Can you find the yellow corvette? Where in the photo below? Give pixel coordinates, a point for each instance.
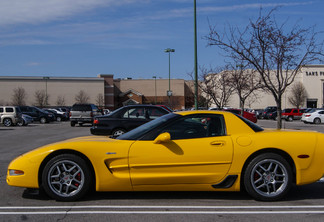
(184, 151)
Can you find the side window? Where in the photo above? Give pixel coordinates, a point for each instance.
(154, 113)
(196, 126)
(1, 110)
(295, 111)
(134, 113)
(9, 110)
(322, 112)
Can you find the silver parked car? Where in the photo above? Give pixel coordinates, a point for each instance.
(313, 116)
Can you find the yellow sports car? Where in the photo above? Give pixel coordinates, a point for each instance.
(183, 151)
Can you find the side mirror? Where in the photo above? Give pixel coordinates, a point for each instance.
(162, 138)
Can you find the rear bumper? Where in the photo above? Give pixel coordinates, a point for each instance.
(81, 120)
(95, 130)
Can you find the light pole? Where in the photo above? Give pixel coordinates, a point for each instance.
(169, 92)
(196, 63)
(154, 77)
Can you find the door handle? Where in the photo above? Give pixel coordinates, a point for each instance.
(218, 143)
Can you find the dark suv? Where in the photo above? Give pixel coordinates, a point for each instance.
(83, 113)
(37, 114)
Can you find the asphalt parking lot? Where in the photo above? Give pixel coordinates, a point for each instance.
(18, 204)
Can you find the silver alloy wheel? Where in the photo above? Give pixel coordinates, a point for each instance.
(317, 120)
(7, 122)
(65, 178)
(269, 178)
(42, 120)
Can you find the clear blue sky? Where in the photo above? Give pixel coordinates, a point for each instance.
(127, 38)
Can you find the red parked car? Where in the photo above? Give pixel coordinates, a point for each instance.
(247, 115)
(291, 114)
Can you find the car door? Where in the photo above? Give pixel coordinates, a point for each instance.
(321, 115)
(199, 152)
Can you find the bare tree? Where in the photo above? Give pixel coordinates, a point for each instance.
(276, 54)
(82, 97)
(60, 101)
(19, 96)
(298, 95)
(244, 81)
(100, 100)
(216, 86)
(41, 98)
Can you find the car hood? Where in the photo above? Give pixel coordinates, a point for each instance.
(88, 139)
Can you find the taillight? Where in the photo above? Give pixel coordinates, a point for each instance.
(307, 115)
(96, 121)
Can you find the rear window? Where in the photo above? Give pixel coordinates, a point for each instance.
(81, 108)
(287, 111)
(9, 110)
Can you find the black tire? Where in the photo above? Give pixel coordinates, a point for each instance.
(72, 123)
(7, 122)
(317, 121)
(118, 132)
(66, 177)
(58, 119)
(80, 124)
(21, 123)
(268, 177)
(290, 118)
(42, 120)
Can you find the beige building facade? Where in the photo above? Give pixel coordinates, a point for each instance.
(115, 92)
(311, 76)
(119, 92)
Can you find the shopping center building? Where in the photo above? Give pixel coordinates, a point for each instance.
(115, 92)
(118, 92)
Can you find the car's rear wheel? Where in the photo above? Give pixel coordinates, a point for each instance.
(290, 118)
(66, 177)
(58, 119)
(7, 122)
(72, 123)
(268, 177)
(317, 121)
(118, 132)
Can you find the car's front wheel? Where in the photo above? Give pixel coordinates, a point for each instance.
(66, 177)
(42, 120)
(268, 177)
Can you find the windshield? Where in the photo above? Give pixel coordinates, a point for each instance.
(140, 131)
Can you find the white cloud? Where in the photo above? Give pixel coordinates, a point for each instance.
(41, 11)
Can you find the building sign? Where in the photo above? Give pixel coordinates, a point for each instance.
(314, 73)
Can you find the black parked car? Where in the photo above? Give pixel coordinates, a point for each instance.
(267, 111)
(57, 116)
(125, 119)
(37, 114)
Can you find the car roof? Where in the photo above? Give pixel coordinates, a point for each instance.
(190, 112)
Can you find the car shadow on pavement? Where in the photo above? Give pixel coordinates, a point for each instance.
(312, 191)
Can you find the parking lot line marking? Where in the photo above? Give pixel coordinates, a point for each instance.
(159, 207)
(159, 212)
